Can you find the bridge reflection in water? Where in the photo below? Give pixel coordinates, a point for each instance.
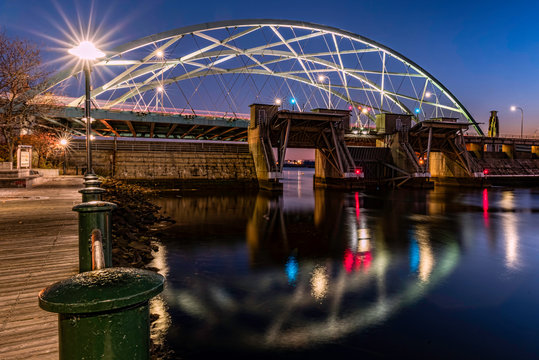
(262, 274)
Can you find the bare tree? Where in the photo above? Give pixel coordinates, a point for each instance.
(22, 77)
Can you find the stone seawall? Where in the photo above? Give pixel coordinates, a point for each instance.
(176, 165)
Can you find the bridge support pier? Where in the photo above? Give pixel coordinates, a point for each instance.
(268, 171)
(322, 130)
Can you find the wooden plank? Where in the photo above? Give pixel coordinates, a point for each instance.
(38, 246)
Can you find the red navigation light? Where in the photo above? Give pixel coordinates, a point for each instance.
(486, 172)
(358, 171)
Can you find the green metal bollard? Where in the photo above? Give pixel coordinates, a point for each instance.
(94, 215)
(103, 314)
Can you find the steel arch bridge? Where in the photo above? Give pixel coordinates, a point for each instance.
(217, 69)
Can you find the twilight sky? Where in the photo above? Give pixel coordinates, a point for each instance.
(485, 52)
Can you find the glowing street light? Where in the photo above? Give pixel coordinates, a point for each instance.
(278, 101)
(87, 52)
(514, 108)
(63, 142)
(322, 78)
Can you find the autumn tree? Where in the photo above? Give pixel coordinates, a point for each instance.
(22, 78)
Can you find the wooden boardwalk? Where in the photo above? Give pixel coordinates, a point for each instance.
(38, 246)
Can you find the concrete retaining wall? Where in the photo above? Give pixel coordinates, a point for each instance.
(169, 167)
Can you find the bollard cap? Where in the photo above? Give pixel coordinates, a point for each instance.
(92, 190)
(93, 181)
(101, 290)
(94, 206)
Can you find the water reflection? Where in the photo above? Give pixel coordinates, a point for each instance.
(319, 282)
(264, 275)
(295, 277)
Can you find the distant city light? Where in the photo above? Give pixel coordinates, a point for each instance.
(350, 107)
(417, 110)
(159, 53)
(160, 89)
(364, 111)
(86, 51)
(428, 94)
(292, 101)
(63, 142)
(92, 137)
(278, 101)
(321, 78)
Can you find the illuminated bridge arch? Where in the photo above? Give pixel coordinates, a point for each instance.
(222, 67)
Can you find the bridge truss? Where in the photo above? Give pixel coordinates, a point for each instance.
(218, 69)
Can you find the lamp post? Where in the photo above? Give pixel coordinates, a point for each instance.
(87, 52)
(321, 78)
(428, 94)
(63, 144)
(514, 108)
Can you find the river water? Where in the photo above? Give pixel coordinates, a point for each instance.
(311, 274)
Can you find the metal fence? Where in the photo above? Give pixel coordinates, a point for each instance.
(201, 146)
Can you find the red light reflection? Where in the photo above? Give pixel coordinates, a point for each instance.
(357, 206)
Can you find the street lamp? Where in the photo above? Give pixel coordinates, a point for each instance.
(514, 108)
(64, 143)
(87, 52)
(321, 78)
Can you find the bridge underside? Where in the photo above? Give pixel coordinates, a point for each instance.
(115, 123)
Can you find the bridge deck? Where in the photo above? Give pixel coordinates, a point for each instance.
(38, 246)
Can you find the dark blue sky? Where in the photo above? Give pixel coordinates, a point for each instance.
(485, 52)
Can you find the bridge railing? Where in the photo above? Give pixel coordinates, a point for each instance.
(66, 100)
(242, 148)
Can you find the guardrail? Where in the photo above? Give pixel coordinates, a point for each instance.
(235, 148)
(65, 100)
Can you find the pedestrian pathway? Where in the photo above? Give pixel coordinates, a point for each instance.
(38, 246)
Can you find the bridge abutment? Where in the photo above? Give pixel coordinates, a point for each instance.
(272, 131)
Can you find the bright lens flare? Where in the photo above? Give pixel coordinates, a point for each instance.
(63, 142)
(86, 51)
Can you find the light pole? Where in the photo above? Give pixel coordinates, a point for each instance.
(514, 108)
(428, 94)
(63, 144)
(87, 52)
(321, 78)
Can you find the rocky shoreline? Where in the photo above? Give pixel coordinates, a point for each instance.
(135, 226)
